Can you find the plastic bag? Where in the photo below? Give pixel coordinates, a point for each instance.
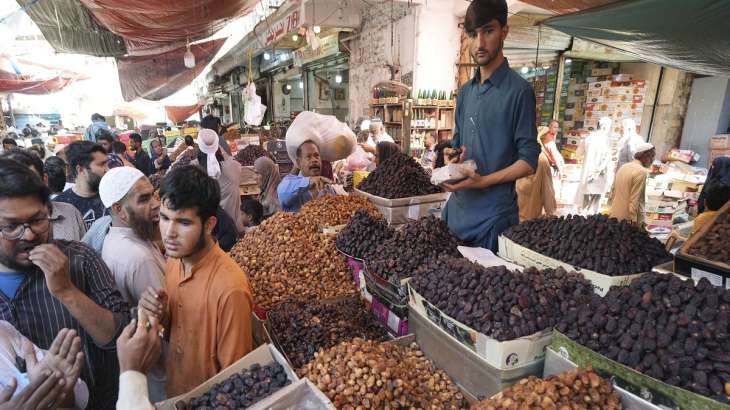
(358, 160)
(453, 172)
(253, 109)
(335, 139)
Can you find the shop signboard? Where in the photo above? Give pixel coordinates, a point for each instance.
(328, 46)
(282, 27)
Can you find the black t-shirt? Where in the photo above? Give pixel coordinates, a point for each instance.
(91, 209)
(142, 162)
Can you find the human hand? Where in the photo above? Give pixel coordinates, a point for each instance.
(474, 181)
(367, 148)
(318, 183)
(139, 345)
(55, 267)
(153, 303)
(64, 358)
(46, 392)
(454, 155)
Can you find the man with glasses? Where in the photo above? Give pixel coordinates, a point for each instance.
(88, 163)
(46, 285)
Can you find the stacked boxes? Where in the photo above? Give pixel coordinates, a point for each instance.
(719, 146)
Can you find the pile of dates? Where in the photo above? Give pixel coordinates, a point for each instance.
(663, 326)
(597, 243)
(412, 245)
(497, 302)
(400, 176)
(301, 328)
(250, 154)
(714, 244)
(334, 210)
(242, 389)
(364, 374)
(363, 234)
(577, 389)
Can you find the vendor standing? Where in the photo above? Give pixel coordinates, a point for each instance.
(495, 127)
(377, 135)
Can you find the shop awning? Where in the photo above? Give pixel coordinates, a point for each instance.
(687, 35)
(181, 113)
(13, 83)
(157, 77)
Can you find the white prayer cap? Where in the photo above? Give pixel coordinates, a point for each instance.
(643, 147)
(208, 141)
(116, 183)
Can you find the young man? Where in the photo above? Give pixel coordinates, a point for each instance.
(97, 122)
(142, 161)
(495, 126)
(296, 190)
(206, 302)
(50, 285)
(9, 143)
(66, 221)
(105, 138)
(88, 164)
(629, 188)
(210, 122)
(55, 169)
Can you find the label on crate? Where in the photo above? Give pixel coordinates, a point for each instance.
(698, 274)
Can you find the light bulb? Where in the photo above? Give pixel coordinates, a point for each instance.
(338, 78)
(301, 84)
(288, 87)
(267, 56)
(317, 29)
(546, 67)
(295, 37)
(525, 70)
(568, 61)
(189, 59)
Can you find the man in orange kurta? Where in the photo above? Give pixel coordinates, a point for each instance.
(207, 300)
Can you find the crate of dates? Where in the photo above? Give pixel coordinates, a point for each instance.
(604, 250)
(402, 190)
(707, 253)
(506, 317)
(260, 374)
(300, 395)
(663, 335)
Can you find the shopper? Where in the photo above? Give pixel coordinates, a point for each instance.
(439, 160)
(141, 160)
(66, 221)
(719, 172)
(629, 142)
(135, 212)
(9, 143)
(62, 362)
(253, 213)
(206, 302)
(377, 135)
(384, 151)
(97, 122)
(50, 285)
(105, 138)
(550, 149)
(210, 122)
(88, 164)
(535, 193)
(225, 232)
(268, 178)
(226, 170)
(495, 126)
(138, 348)
(160, 160)
(55, 169)
(716, 195)
(629, 190)
(296, 190)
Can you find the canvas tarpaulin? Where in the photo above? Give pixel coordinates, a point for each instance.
(13, 83)
(687, 35)
(157, 77)
(180, 113)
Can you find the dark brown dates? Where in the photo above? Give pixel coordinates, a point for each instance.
(665, 327)
(363, 234)
(597, 243)
(500, 303)
(250, 154)
(714, 244)
(399, 176)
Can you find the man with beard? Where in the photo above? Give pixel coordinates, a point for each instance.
(206, 302)
(296, 190)
(129, 252)
(495, 127)
(88, 163)
(49, 284)
(141, 160)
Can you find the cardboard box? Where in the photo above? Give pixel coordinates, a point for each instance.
(502, 355)
(528, 258)
(720, 142)
(668, 396)
(300, 395)
(402, 210)
(717, 153)
(263, 355)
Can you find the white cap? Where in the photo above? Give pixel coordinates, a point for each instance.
(643, 147)
(116, 183)
(208, 141)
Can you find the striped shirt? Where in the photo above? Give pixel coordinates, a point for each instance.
(39, 316)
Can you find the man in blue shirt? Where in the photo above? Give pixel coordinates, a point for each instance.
(495, 127)
(97, 122)
(296, 190)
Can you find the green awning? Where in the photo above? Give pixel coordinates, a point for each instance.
(690, 35)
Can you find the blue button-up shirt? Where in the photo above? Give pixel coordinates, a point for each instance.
(495, 121)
